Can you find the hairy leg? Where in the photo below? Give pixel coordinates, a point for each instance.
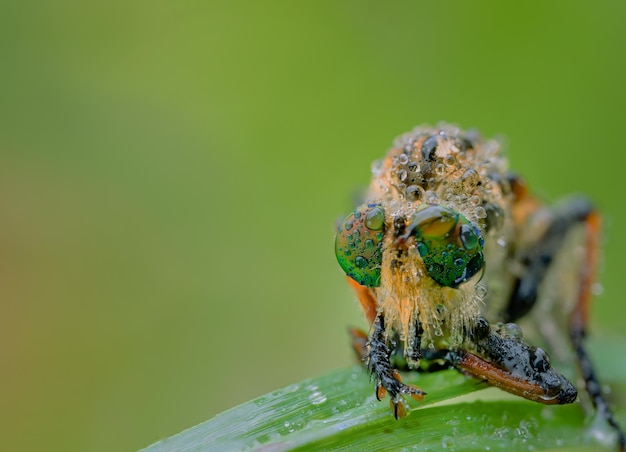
(387, 378)
(536, 261)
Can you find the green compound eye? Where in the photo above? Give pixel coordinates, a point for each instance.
(358, 245)
(449, 244)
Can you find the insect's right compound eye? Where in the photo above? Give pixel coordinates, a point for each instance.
(449, 244)
(358, 245)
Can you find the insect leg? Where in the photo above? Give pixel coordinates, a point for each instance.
(359, 342)
(515, 367)
(536, 262)
(366, 298)
(578, 328)
(368, 303)
(387, 378)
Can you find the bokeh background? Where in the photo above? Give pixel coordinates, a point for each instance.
(170, 173)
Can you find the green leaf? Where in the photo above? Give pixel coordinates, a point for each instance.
(339, 411)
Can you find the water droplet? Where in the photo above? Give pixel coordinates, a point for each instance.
(511, 330)
(441, 311)
(480, 212)
(317, 398)
(597, 289)
(413, 192)
(431, 197)
(446, 442)
(470, 179)
(402, 174)
(377, 167)
(360, 262)
(539, 359)
(375, 218)
(481, 291)
(403, 159)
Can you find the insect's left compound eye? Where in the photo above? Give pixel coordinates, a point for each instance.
(449, 244)
(358, 245)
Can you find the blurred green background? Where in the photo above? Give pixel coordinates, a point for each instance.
(170, 173)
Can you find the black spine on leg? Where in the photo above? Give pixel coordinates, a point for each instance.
(415, 342)
(537, 260)
(593, 387)
(378, 359)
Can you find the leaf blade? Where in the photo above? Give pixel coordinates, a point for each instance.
(339, 411)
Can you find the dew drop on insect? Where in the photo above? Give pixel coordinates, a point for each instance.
(480, 212)
(431, 197)
(539, 359)
(402, 174)
(413, 192)
(374, 219)
(360, 262)
(481, 291)
(470, 179)
(403, 159)
(597, 289)
(511, 330)
(440, 169)
(377, 167)
(441, 311)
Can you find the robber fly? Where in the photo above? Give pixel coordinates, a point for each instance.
(449, 252)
